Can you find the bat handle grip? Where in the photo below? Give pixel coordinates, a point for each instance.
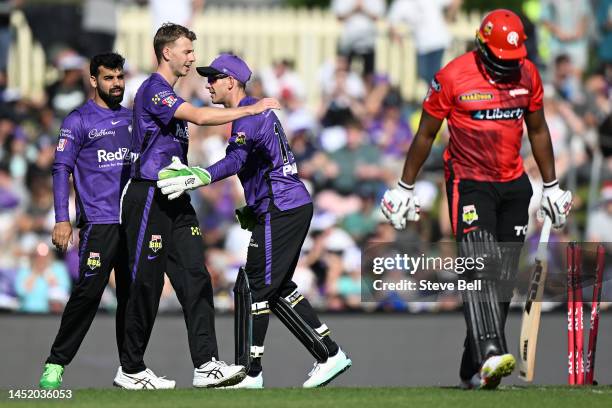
(544, 236)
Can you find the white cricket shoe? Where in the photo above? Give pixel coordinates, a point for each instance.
(323, 373)
(144, 380)
(253, 383)
(495, 368)
(217, 373)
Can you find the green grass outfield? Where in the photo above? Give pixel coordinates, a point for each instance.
(511, 397)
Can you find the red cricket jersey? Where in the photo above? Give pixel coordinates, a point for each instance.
(485, 119)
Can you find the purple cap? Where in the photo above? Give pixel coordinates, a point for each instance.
(227, 64)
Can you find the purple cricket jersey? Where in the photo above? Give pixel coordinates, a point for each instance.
(259, 153)
(93, 146)
(157, 135)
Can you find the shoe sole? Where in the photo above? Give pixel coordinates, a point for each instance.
(504, 369)
(229, 381)
(116, 384)
(330, 379)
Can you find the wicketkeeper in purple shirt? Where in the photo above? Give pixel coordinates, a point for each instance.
(278, 212)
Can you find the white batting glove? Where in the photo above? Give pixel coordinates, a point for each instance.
(556, 204)
(400, 204)
(176, 178)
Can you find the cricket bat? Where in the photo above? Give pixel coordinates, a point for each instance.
(533, 307)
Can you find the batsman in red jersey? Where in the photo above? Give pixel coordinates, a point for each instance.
(485, 95)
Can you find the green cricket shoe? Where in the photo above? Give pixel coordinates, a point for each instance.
(494, 369)
(51, 378)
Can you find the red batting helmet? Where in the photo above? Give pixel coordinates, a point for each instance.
(500, 42)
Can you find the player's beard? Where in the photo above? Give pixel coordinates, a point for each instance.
(111, 100)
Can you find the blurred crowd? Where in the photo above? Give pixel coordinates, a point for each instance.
(348, 150)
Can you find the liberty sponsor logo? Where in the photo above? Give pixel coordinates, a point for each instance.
(93, 261)
(517, 92)
(498, 114)
(476, 97)
(469, 214)
(155, 244)
(61, 145)
(95, 133)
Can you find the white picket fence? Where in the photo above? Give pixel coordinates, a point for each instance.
(308, 37)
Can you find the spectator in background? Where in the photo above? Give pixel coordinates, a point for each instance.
(599, 226)
(428, 22)
(566, 80)
(604, 23)
(179, 12)
(69, 91)
(343, 92)
(43, 284)
(6, 7)
(568, 23)
(358, 35)
(282, 82)
(99, 26)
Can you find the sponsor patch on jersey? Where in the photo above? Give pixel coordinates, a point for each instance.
(67, 133)
(169, 101)
(155, 244)
(93, 261)
(498, 114)
(241, 138)
(435, 85)
(61, 145)
(476, 97)
(518, 92)
(469, 214)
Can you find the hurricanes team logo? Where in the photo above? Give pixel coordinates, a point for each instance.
(155, 244)
(93, 261)
(469, 214)
(513, 38)
(240, 138)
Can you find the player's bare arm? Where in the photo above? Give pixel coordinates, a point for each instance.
(541, 146)
(420, 147)
(209, 116)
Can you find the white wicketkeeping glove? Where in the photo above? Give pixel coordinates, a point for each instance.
(176, 178)
(400, 204)
(556, 204)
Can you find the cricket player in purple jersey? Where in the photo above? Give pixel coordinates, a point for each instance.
(278, 212)
(93, 146)
(164, 236)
